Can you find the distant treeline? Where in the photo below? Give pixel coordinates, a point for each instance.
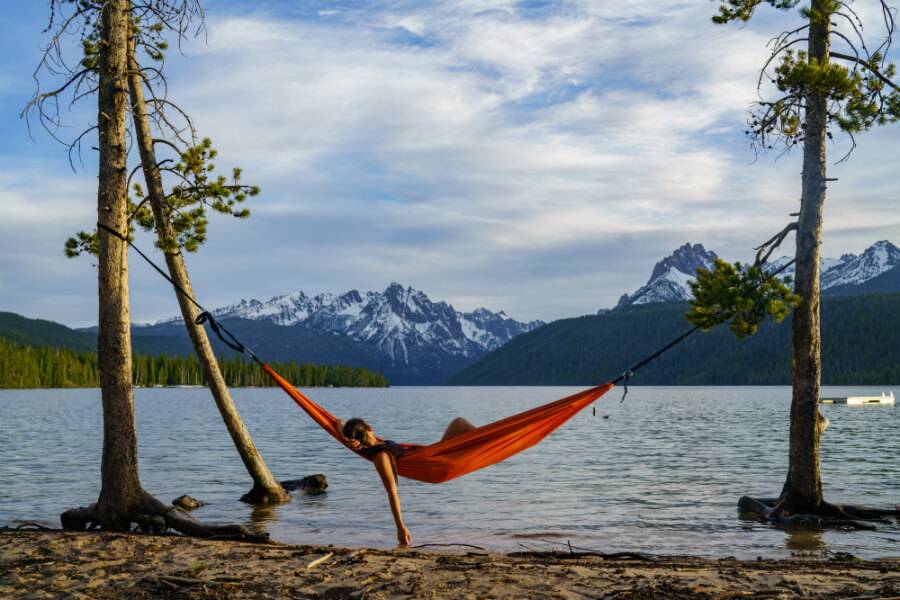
(23, 366)
(859, 347)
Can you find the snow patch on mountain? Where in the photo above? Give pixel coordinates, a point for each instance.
(669, 281)
(850, 269)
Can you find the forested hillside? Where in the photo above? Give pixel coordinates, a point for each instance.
(859, 346)
(23, 366)
(38, 332)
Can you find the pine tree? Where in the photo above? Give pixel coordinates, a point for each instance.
(816, 91)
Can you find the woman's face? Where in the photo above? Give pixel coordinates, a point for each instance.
(370, 439)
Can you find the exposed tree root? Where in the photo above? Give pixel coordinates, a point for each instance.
(80, 519)
(827, 515)
(262, 495)
(152, 516)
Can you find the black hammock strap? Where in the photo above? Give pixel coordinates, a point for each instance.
(629, 372)
(225, 336)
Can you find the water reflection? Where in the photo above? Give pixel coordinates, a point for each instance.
(261, 515)
(805, 542)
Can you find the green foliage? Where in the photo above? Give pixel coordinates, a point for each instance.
(855, 84)
(24, 366)
(149, 36)
(198, 190)
(859, 335)
(742, 10)
(745, 295)
(82, 243)
(39, 332)
(90, 48)
(28, 367)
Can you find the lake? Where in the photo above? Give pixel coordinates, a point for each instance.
(662, 474)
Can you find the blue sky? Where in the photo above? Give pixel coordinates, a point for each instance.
(536, 157)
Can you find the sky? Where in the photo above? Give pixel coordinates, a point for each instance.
(535, 157)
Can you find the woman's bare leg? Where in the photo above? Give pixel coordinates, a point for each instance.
(456, 427)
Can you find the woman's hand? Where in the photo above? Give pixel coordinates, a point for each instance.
(403, 536)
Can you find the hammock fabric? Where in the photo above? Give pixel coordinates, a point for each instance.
(470, 451)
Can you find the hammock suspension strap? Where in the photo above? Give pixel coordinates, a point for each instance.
(225, 336)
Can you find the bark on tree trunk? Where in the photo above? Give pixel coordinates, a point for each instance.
(120, 487)
(266, 489)
(803, 489)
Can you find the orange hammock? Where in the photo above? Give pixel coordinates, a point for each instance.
(470, 451)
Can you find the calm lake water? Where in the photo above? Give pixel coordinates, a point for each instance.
(661, 474)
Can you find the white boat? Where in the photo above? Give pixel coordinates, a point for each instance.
(884, 399)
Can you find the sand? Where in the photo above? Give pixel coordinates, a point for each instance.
(53, 564)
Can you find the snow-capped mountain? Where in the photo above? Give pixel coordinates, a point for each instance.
(400, 323)
(669, 280)
(878, 258)
(670, 277)
(850, 269)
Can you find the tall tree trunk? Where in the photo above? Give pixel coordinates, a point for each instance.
(266, 489)
(804, 483)
(120, 487)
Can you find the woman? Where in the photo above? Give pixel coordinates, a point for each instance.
(384, 455)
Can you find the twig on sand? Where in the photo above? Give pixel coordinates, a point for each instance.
(33, 525)
(565, 555)
(441, 545)
(319, 561)
(174, 581)
(578, 552)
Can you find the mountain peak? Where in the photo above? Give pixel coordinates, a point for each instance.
(686, 259)
(669, 280)
(880, 257)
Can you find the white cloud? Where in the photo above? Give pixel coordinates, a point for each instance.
(491, 156)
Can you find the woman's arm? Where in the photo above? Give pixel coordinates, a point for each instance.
(385, 469)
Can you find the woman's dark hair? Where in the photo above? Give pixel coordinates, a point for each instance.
(355, 429)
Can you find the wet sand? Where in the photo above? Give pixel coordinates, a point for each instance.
(52, 564)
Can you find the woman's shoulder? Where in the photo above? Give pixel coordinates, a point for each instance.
(388, 446)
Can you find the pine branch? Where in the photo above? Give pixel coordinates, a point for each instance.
(867, 66)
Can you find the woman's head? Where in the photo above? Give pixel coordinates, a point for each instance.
(356, 429)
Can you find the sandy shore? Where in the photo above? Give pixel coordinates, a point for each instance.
(44, 564)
